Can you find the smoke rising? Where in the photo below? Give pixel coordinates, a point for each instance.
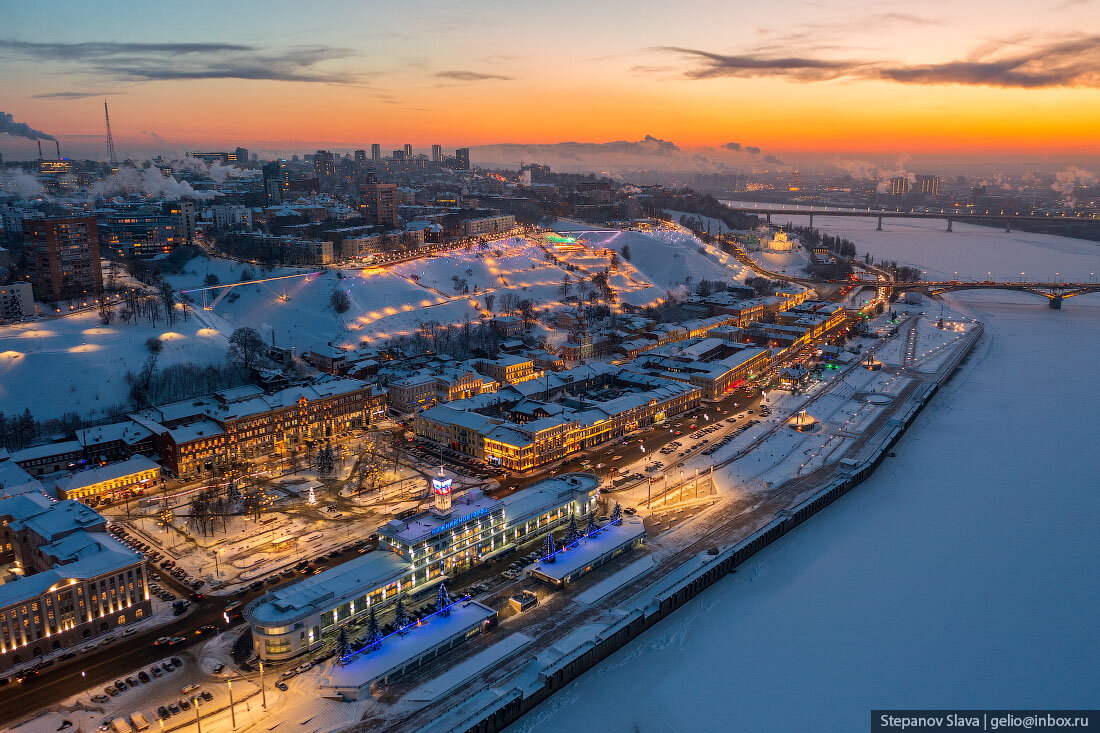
(1066, 182)
(148, 181)
(21, 129)
(20, 184)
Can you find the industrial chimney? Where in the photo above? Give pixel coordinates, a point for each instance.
(40, 150)
(58, 149)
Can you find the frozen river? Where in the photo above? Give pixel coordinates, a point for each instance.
(963, 574)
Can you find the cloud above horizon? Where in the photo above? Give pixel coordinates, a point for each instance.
(183, 61)
(1068, 62)
(71, 95)
(459, 75)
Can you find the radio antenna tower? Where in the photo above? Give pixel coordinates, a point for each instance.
(110, 140)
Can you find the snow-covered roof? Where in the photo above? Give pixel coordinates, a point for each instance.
(111, 471)
(329, 589)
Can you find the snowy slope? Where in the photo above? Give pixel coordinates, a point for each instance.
(75, 364)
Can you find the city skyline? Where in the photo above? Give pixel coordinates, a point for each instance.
(949, 83)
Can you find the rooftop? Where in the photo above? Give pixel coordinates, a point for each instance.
(469, 506)
(398, 650)
(591, 548)
(327, 589)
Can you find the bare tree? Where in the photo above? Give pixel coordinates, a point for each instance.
(247, 348)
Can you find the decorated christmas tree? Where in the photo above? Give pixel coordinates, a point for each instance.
(343, 646)
(400, 615)
(573, 532)
(443, 601)
(548, 548)
(617, 514)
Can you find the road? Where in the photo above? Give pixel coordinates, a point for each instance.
(107, 664)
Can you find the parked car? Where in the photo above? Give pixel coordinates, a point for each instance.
(100, 698)
(281, 685)
(162, 713)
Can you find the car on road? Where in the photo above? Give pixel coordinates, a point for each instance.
(65, 724)
(87, 649)
(218, 668)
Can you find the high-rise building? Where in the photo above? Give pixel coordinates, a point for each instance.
(63, 255)
(408, 151)
(215, 157)
(276, 181)
(437, 153)
(376, 154)
(241, 156)
(184, 211)
(398, 155)
(462, 159)
(928, 184)
(899, 186)
(360, 156)
(380, 203)
(795, 183)
(324, 163)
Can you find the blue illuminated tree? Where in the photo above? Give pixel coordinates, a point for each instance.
(548, 548)
(617, 514)
(573, 532)
(400, 615)
(590, 526)
(443, 602)
(343, 646)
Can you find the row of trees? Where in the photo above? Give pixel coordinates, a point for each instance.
(837, 245)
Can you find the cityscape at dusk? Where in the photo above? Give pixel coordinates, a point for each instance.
(442, 368)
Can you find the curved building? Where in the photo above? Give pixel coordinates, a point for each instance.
(413, 555)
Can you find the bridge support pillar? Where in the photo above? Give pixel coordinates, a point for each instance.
(949, 221)
(1056, 302)
(769, 217)
(879, 227)
(811, 221)
(1008, 226)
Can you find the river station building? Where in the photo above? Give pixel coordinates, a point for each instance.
(414, 554)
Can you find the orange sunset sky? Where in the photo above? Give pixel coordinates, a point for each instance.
(795, 79)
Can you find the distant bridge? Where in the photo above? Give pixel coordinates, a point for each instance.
(950, 216)
(1055, 292)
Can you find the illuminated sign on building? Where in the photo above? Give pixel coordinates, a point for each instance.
(461, 520)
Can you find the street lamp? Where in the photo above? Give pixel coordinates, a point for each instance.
(198, 720)
(232, 711)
